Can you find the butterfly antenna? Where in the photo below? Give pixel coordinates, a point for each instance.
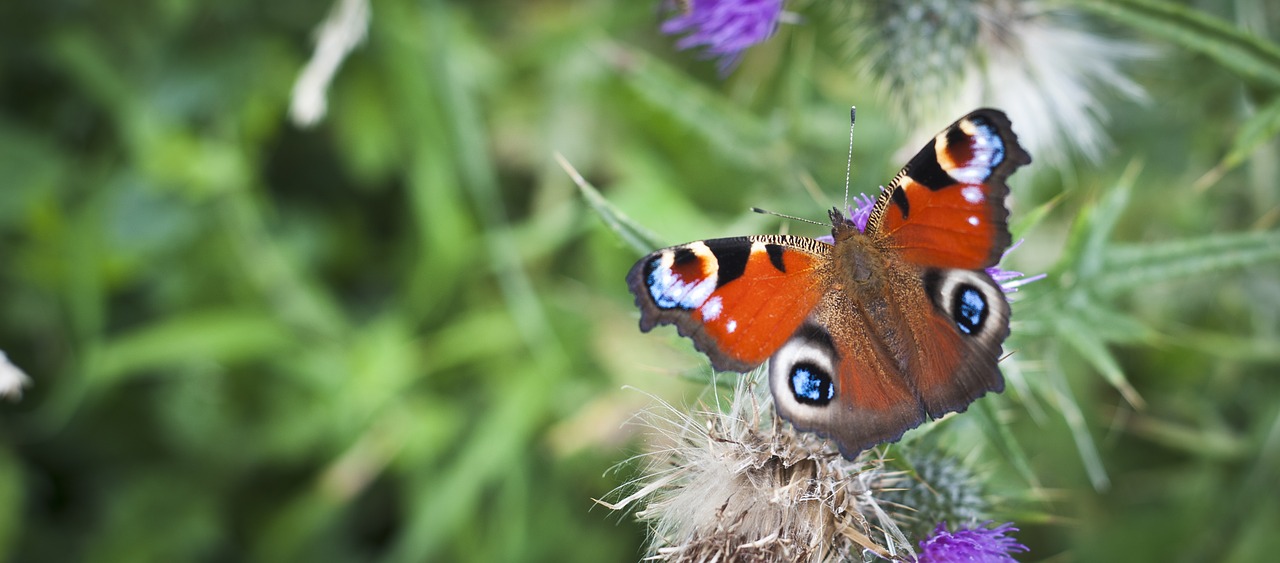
(784, 216)
(848, 168)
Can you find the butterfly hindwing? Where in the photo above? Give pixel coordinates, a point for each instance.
(738, 298)
(835, 378)
(946, 208)
(967, 320)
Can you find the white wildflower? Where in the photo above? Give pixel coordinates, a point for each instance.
(12, 379)
(342, 31)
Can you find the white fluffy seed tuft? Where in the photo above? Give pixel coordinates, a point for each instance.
(741, 485)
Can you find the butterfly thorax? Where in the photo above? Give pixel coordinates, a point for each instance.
(871, 286)
(859, 263)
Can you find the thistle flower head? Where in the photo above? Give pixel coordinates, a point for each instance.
(940, 489)
(916, 51)
(724, 28)
(971, 545)
(938, 58)
(742, 486)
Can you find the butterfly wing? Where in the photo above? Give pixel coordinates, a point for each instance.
(912, 326)
(959, 345)
(944, 219)
(868, 337)
(834, 377)
(946, 208)
(738, 298)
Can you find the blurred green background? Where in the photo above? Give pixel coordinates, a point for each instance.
(402, 334)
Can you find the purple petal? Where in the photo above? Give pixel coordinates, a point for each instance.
(725, 28)
(974, 545)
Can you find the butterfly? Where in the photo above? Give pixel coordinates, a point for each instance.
(868, 335)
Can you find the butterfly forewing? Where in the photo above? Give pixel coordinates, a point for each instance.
(946, 208)
(738, 298)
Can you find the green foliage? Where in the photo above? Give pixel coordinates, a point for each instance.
(402, 334)
(1253, 58)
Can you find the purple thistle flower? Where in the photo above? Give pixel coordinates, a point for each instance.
(860, 211)
(971, 545)
(725, 28)
(1010, 280)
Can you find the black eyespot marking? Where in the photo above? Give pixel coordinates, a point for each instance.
(682, 256)
(731, 256)
(811, 385)
(899, 197)
(932, 278)
(925, 169)
(775, 257)
(957, 137)
(816, 336)
(968, 308)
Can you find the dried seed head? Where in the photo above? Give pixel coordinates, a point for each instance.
(742, 485)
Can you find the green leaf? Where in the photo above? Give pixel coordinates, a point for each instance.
(1085, 340)
(1111, 325)
(1131, 266)
(1232, 347)
(1205, 443)
(735, 134)
(438, 507)
(1254, 59)
(1028, 220)
(462, 113)
(1082, 257)
(1072, 414)
(214, 336)
(641, 239)
(1002, 438)
(13, 491)
(1101, 221)
(1260, 128)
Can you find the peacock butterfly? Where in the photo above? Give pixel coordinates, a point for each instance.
(869, 334)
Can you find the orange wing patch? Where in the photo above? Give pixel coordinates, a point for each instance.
(946, 208)
(750, 317)
(955, 227)
(738, 298)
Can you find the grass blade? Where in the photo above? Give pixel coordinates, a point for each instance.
(1129, 267)
(1087, 343)
(1254, 59)
(635, 235)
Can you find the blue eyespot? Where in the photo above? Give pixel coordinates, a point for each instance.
(969, 309)
(992, 136)
(658, 286)
(810, 385)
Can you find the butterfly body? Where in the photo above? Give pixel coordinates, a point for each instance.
(867, 335)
